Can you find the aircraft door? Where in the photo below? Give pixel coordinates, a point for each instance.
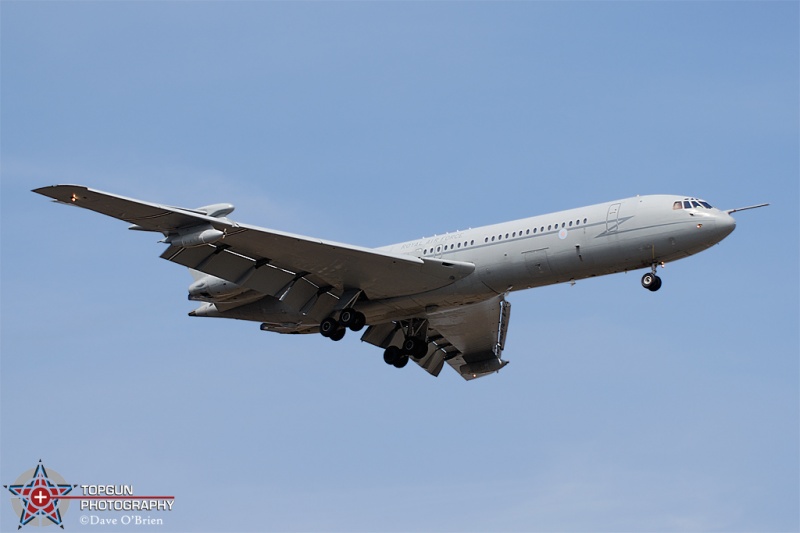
(537, 263)
(612, 219)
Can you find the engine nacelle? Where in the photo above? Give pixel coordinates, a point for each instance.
(198, 237)
(213, 289)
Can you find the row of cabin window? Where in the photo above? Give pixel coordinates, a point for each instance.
(536, 230)
(450, 247)
(500, 237)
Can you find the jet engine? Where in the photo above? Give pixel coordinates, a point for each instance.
(196, 237)
(213, 289)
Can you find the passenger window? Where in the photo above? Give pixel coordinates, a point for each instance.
(584, 220)
(492, 238)
(549, 226)
(570, 223)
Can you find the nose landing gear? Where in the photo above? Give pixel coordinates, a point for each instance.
(651, 281)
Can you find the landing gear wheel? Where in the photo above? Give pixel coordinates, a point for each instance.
(347, 316)
(415, 347)
(400, 363)
(350, 318)
(328, 327)
(651, 282)
(391, 355)
(657, 284)
(338, 334)
(359, 322)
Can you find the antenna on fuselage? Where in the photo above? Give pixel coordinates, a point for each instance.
(729, 211)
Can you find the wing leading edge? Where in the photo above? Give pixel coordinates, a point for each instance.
(317, 276)
(236, 252)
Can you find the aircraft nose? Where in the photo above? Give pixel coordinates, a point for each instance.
(725, 224)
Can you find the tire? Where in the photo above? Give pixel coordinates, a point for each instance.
(328, 327)
(347, 317)
(651, 282)
(415, 347)
(400, 363)
(391, 355)
(656, 285)
(359, 322)
(410, 345)
(338, 334)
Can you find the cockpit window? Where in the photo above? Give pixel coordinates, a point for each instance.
(691, 203)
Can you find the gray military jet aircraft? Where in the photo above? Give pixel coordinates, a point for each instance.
(432, 300)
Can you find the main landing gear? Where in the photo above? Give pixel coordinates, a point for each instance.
(651, 281)
(415, 347)
(349, 318)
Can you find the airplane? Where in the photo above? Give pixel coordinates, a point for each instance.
(433, 300)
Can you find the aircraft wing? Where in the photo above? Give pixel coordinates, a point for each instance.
(267, 260)
(470, 338)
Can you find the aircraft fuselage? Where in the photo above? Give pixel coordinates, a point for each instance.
(562, 247)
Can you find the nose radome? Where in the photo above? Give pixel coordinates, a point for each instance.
(725, 224)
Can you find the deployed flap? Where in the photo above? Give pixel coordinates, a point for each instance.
(477, 334)
(391, 334)
(469, 338)
(339, 266)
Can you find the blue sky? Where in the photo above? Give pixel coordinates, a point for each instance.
(373, 123)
